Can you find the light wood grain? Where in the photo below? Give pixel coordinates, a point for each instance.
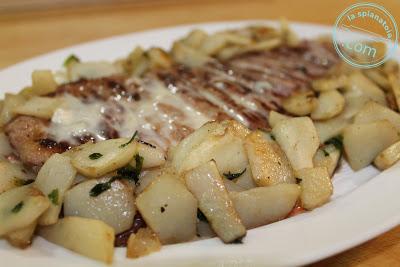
(24, 34)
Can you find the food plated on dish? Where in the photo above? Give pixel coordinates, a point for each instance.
(223, 133)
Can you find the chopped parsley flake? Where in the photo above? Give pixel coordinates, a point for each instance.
(17, 207)
(130, 140)
(298, 180)
(337, 141)
(94, 156)
(326, 153)
(127, 172)
(71, 59)
(232, 176)
(53, 196)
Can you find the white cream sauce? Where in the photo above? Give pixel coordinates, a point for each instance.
(147, 116)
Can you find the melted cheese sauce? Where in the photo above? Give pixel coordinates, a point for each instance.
(155, 116)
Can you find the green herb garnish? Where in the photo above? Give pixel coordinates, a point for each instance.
(53, 196)
(201, 216)
(17, 207)
(130, 140)
(232, 176)
(101, 187)
(272, 136)
(70, 60)
(337, 141)
(298, 180)
(94, 156)
(21, 182)
(127, 172)
(326, 153)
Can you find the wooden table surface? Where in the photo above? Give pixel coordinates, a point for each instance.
(29, 32)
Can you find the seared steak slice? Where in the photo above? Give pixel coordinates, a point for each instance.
(167, 105)
(28, 135)
(248, 86)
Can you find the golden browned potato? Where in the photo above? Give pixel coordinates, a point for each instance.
(358, 83)
(11, 102)
(88, 237)
(152, 156)
(327, 156)
(372, 111)
(92, 70)
(264, 205)
(22, 238)
(329, 104)
(188, 56)
(363, 142)
(143, 243)
(316, 187)
(300, 104)
(169, 209)
(275, 117)
(388, 157)
(327, 84)
(331, 128)
(39, 106)
(95, 160)
(299, 140)
(195, 38)
(54, 179)
(20, 207)
(208, 187)
(222, 142)
(269, 164)
(12, 175)
(43, 82)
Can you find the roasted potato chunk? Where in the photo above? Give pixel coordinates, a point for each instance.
(22, 238)
(316, 187)
(115, 206)
(143, 243)
(222, 142)
(264, 205)
(208, 187)
(54, 179)
(39, 106)
(275, 117)
(169, 209)
(20, 207)
(10, 104)
(95, 160)
(299, 140)
(329, 104)
(300, 104)
(88, 237)
(269, 164)
(43, 82)
(372, 111)
(327, 156)
(388, 157)
(363, 142)
(12, 175)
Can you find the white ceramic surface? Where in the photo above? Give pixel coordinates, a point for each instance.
(364, 205)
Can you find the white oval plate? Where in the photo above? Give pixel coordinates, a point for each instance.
(364, 205)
